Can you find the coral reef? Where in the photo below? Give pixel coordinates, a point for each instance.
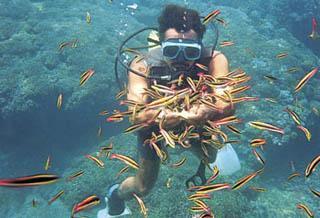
(33, 72)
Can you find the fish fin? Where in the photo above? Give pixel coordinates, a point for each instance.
(227, 160)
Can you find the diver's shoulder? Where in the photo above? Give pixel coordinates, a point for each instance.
(218, 56)
(139, 64)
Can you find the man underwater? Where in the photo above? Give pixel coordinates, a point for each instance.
(180, 32)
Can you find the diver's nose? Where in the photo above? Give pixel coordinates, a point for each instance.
(180, 58)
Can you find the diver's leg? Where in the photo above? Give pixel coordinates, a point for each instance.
(206, 155)
(198, 151)
(141, 183)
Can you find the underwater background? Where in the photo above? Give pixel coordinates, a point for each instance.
(33, 72)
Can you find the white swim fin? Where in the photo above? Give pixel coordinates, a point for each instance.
(104, 213)
(227, 160)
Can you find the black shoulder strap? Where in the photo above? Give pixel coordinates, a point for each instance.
(206, 56)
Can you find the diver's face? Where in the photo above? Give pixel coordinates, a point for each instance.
(173, 33)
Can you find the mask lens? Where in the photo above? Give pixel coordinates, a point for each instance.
(171, 51)
(192, 53)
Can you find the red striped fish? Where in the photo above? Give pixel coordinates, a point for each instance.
(257, 142)
(90, 201)
(314, 34)
(213, 14)
(226, 43)
(33, 180)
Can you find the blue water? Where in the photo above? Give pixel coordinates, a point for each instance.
(33, 72)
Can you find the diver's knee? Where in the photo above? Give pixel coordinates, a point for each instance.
(143, 190)
(145, 186)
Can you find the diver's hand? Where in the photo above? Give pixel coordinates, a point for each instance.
(171, 119)
(197, 115)
(191, 117)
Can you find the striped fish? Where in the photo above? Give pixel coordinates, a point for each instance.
(315, 192)
(226, 43)
(293, 175)
(98, 162)
(179, 163)
(135, 127)
(90, 201)
(168, 138)
(85, 76)
(257, 189)
(205, 189)
(234, 129)
(143, 208)
(123, 170)
(306, 209)
(126, 160)
(59, 101)
(214, 175)
(294, 116)
(258, 156)
(213, 14)
(257, 142)
(48, 163)
(199, 196)
(312, 166)
(32, 180)
(223, 121)
(245, 180)
(75, 175)
(282, 55)
(305, 79)
(305, 131)
(266, 126)
(54, 198)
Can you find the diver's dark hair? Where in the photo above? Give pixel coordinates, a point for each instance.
(181, 19)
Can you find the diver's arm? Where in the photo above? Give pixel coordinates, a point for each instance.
(136, 88)
(201, 113)
(218, 67)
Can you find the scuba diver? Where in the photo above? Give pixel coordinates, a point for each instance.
(180, 52)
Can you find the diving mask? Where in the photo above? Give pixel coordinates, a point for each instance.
(174, 48)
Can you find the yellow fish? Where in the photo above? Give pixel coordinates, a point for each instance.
(59, 101)
(88, 18)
